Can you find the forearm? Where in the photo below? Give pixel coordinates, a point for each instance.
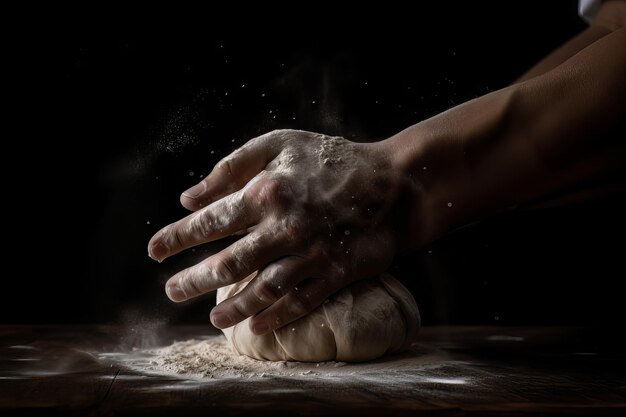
(610, 17)
(517, 144)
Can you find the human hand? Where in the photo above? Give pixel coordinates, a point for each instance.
(318, 213)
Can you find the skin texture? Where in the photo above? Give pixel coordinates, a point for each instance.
(318, 213)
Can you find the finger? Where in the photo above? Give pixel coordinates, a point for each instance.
(222, 218)
(270, 284)
(233, 172)
(231, 265)
(298, 302)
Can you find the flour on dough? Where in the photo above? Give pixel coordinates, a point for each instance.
(362, 322)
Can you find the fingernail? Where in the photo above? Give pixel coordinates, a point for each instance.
(221, 320)
(196, 190)
(175, 293)
(158, 251)
(260, 328)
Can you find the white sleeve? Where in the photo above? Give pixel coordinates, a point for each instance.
(587, 9)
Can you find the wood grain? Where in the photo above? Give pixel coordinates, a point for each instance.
(47, 370)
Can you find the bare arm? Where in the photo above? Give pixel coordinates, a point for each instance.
(322, 212)
(610, 17)
(537, 137)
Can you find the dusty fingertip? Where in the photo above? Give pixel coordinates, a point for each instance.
(188, 203)
(153, 257)
(195, 191)
(158, 251)
(174, 292)
(221, 320)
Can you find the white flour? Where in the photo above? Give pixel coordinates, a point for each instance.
(213, 358)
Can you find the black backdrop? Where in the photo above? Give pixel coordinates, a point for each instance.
(118, 126)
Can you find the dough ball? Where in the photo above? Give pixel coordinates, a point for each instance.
(361, 322)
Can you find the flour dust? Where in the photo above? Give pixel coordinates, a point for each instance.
(213, 358)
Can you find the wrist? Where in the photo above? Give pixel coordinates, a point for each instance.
(460, 163)
(433, 171)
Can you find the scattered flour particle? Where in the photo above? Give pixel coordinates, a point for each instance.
(148, 222)
(191, 173)
(347, 232)
(293, 329)
(212, 152)
(449, 204)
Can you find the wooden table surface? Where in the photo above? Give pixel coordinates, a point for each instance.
(47, 370)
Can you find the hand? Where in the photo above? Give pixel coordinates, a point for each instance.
(318, 213)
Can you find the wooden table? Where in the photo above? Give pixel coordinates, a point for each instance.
(480, 371)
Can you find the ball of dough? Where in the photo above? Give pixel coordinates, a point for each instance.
(361, 322)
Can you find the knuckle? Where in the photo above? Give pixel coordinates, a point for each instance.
(276, 132)
(293, 228)
(240, 308)
(177, 235)
(266, 139)
(189, 284)
(193, 287)
(299, 305)
(270, 189)
(225, 165)
(252, 192)
(201, 224)
(224, 270)
(266, 292)
(280, 133)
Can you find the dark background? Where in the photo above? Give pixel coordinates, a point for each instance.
(119, 125)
